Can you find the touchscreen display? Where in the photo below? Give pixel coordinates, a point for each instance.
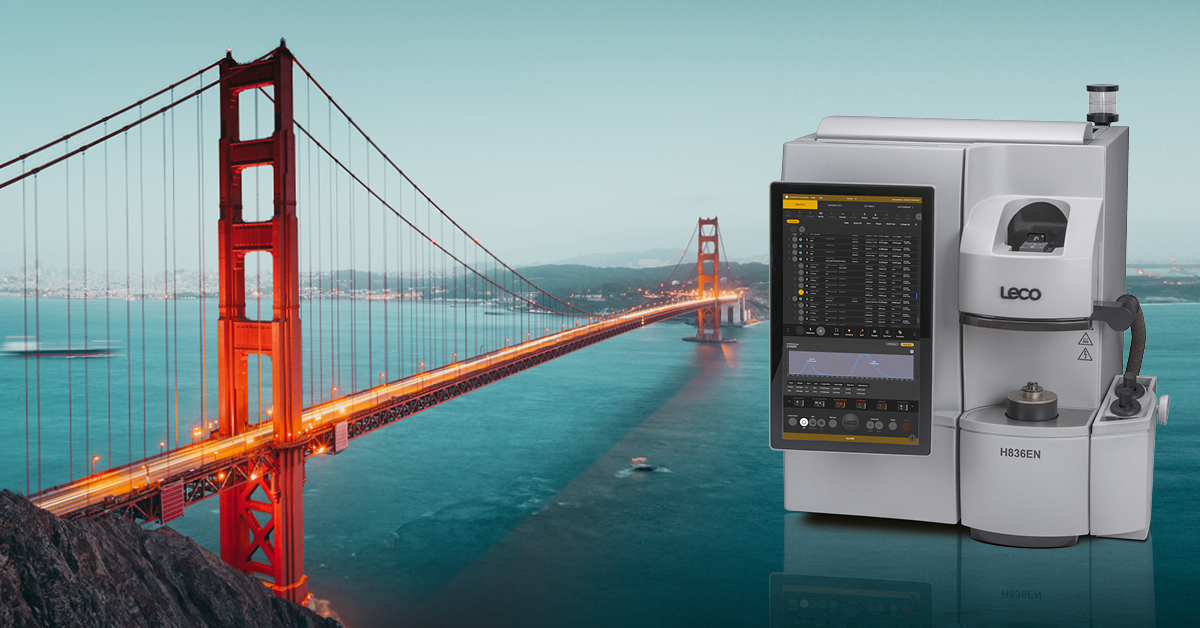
(850, 354)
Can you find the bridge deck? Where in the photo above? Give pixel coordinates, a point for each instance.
(209, 467)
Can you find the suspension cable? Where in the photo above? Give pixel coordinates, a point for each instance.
(677, 264)
(422, 192)
(109, 116)
(431, 240)
(131, 125)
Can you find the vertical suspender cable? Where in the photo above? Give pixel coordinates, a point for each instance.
(142, 259)
(370, 285)
(335, 246)
(312, 388)
(70, 375)
(445, 304)
(166, 305)
(37, 327)
(174, 280)
(386, 295)
(202, 274)
(258, 264)
(320, 295)
(430, 315)
(353, 275)
(25, 311)
(128, 304)
(87, 401)
(107, 308)
(400, 249)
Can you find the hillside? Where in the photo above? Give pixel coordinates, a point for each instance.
(110, 572)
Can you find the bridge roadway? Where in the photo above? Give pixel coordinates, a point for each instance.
(206, 468)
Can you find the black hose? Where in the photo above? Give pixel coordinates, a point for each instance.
(1137, 332)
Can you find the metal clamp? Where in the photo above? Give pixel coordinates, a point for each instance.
(1118, 314)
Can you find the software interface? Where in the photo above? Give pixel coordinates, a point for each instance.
(847, 317)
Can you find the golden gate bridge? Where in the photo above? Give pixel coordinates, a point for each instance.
(425, 277)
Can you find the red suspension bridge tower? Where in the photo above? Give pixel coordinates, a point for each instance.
(708, 283)
(262, 520)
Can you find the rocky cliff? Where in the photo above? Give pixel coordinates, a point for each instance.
(111, 572)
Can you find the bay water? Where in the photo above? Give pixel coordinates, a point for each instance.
(516, 505)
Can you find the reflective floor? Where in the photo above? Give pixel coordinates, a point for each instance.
(849, 571)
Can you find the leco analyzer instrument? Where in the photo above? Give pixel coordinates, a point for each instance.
(948, 311)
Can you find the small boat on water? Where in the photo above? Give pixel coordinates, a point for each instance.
(33, 348)
(639, 464)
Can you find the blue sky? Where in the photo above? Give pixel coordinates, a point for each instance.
(554, 129)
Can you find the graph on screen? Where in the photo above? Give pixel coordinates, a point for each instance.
(829, 364)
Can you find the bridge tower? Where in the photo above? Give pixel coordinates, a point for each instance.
(708, 283)
(262, 522)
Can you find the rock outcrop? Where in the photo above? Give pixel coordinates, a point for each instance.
(111, 572)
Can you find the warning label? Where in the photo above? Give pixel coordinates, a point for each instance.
(1085, 356)
(1086, 340)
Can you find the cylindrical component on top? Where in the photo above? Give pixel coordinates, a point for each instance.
(1032, 403)
(1102, 104)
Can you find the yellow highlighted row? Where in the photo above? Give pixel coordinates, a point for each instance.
(856, 199)
(789, 203)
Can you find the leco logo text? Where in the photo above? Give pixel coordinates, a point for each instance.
(1024, 294)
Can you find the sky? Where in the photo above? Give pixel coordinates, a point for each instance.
(557, 129)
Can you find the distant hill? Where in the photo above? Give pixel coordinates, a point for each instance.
(622, 287)
(580, 279)
(653, 258)
(1172, 289)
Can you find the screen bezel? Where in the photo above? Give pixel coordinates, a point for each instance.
(777, 370)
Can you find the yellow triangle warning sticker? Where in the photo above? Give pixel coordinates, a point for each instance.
(1085, 356)
(1086, 340)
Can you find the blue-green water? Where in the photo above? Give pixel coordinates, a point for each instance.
(515, 506)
